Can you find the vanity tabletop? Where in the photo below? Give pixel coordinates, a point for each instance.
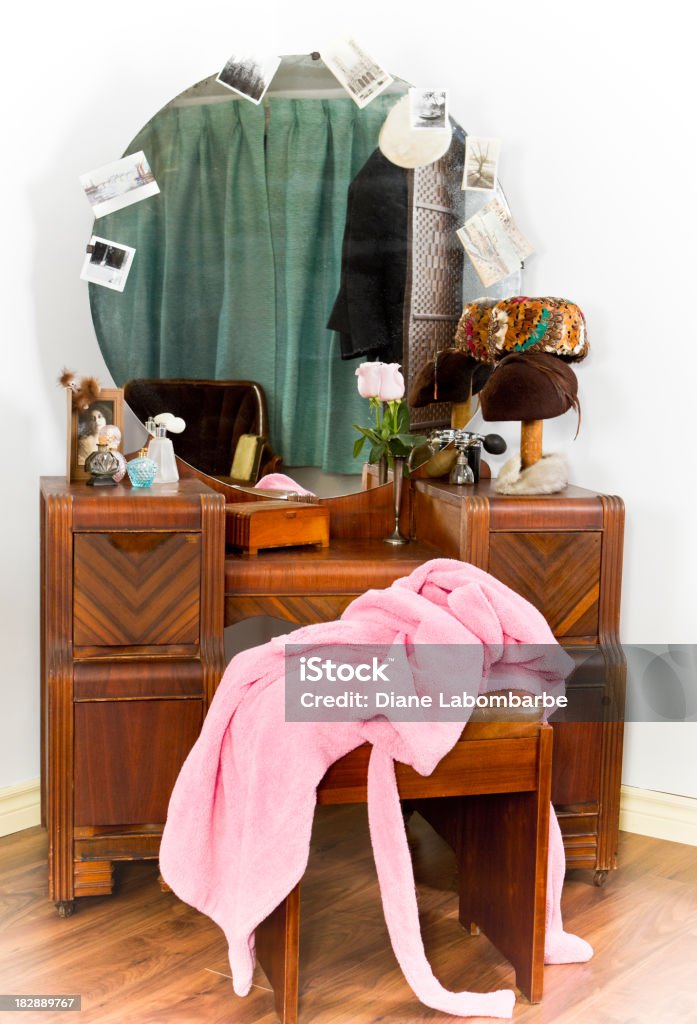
(345, 565)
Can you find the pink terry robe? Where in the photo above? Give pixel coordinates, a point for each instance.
(237, 837)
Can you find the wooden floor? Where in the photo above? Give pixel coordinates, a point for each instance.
(141, 956)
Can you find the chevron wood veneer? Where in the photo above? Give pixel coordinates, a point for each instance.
(296, 609)
(557, 572)
(136, 588)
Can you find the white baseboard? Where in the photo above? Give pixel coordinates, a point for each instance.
(648, 813)
(20, 807)
(661, 815)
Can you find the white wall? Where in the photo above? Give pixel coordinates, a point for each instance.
(592, 102)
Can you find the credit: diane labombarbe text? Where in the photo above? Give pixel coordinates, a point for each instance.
(381, 700)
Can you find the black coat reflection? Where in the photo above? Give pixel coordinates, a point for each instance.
(368, 312)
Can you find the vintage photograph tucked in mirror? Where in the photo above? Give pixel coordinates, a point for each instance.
(283, 249)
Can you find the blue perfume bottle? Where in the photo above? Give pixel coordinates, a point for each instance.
(142, 470)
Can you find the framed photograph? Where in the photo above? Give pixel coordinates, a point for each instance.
(249, 75)
(119, 184)
(481, 163)
(361, 76)
(428, 108)
(85, 426)
(107, 263)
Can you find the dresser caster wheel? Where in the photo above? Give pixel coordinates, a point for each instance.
(599, 878)
(65, 908)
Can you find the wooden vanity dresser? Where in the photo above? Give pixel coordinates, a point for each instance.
(136, 589)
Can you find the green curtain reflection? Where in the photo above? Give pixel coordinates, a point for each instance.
(238, 261)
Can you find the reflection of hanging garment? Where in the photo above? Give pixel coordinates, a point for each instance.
(369, 307)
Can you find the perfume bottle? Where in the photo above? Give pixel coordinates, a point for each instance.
(161, 451)
(102, 464)
(461, 473)
(142, 470)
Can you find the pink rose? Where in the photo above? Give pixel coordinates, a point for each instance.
(391, 383)
(369, 379)
(380, 380)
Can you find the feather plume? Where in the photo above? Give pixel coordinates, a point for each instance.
(86, 393)
(90, 388)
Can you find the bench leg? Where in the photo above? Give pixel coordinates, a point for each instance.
(277, 948)
(502, 862)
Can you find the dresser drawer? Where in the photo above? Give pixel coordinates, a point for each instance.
(123, 587)
(129, 678)
(557, 571)
(127, 757)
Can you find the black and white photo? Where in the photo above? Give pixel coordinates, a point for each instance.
(481, 163)
(249, 75)
(428, 108)
(107, 263)
(119, 184)
(361, 76)
(86, 427)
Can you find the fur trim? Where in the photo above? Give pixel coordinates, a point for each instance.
(547, 476)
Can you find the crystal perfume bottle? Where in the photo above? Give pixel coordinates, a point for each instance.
(461, 474)
(142, 470)
(101, 464)
(161, 451)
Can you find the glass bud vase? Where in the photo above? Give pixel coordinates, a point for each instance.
(397, 537)
(141, 471)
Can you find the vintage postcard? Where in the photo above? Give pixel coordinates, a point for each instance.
(360, 75)
(107, 263)
(119, 184)
(493, 243)
(249, 75)
(481, 163)
(428, 108)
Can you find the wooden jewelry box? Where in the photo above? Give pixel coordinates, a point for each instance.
(251, 525)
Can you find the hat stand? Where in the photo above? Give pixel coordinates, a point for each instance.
(461, 412)
(530, 442)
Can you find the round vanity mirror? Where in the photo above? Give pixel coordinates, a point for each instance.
(282, 250)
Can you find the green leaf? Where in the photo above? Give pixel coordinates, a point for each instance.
(402, 420)
(376, 453)
(358, 446)
(397, 447)
(368, 432)
(411, 440)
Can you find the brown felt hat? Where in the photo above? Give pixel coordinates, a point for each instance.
(451, 376)
(529, 386)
